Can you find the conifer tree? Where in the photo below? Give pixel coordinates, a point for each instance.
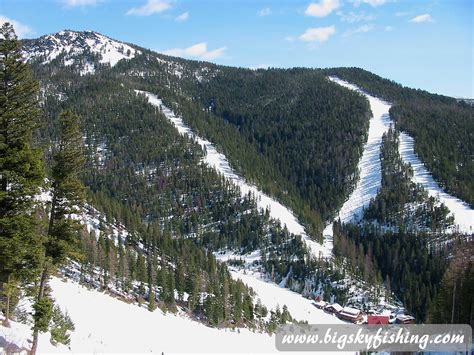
(21, 168)
(151, 283)
(67, 192)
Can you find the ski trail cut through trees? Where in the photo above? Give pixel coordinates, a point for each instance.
(370, 174)
(463, 214)
(219, 162)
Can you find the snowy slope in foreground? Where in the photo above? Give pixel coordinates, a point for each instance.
(219, 162)
(463, 214)
(106, 325)
(370, 175)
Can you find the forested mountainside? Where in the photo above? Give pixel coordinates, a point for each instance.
(306, 126)
(41, 233)
(406, 234)
(286, 132)
(401, 239)
(162, 213)
(442, 127)
(143, 174)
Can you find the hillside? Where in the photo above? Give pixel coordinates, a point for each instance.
(319, 178)
(428, 118)
(206, 193)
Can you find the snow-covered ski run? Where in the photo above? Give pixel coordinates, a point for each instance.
(370, 170)
(370, 175)
(463, 214)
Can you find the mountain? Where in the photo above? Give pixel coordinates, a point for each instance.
(73, 47)
(205, 180)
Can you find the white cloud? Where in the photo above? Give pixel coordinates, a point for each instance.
(21, 30)
(76, 3)
(360, 29)
(322, 8)
(198, 50)
(353, 17)
(388, 28)
(150, 8)
(373, 3)
(266, 11)
(317, 34)
(183, 17)
(422, 18)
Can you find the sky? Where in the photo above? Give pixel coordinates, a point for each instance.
(425, 44)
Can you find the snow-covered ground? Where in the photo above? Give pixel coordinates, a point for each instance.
(370, 170)
(463, 214)
(219, 162)
(271, 295)
(106, 325)
(72, 43)
(370, 176)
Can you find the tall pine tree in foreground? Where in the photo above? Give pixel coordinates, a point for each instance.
(21, 169)
(67, 193)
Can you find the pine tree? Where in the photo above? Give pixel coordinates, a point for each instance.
(67, 192)
(170, 300)
(180, 280)
(151, 283)
(21, 168)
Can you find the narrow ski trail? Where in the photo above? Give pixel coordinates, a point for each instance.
(463, 214)
(370, 175)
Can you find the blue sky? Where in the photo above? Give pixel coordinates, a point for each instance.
(422, 44)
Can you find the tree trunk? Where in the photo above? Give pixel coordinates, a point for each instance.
(6, 287)
(45, 272)
(42, 286)
(454, 299)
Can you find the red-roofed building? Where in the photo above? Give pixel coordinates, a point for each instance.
(377, 319)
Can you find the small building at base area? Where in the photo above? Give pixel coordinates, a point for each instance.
(351, 314)
(334, 308)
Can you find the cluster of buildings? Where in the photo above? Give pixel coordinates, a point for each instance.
(356, 316)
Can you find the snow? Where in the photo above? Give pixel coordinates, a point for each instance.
(248, 259)
(369, 166)
(463, 214)
(87, 68)
(271, 295)
(91, 218)
(75, 43)
(370, 170)
(220, 163)
(17, 339)
(105, 324)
